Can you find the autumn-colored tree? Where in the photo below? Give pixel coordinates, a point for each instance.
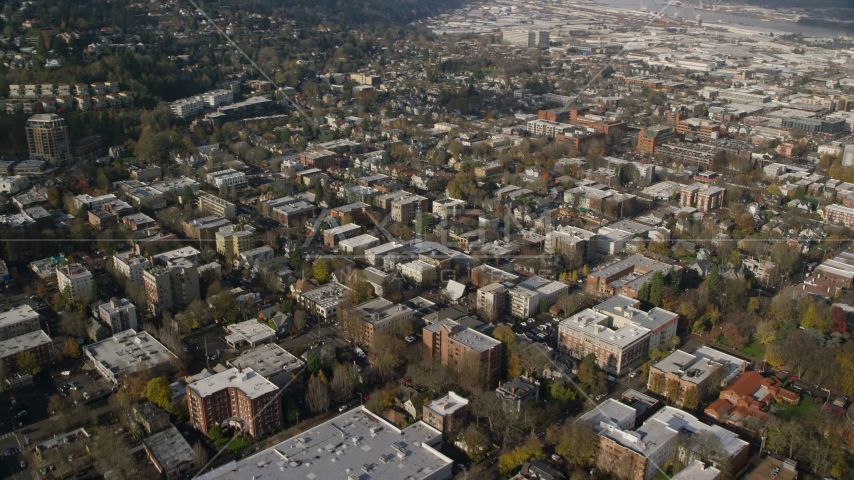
(320, 269)
(70, 348)
(691, 398)
(752, 305)
(673, 391)
(775, 357)
(657, 382)
(766, 332)
(838, 322)
(157, 391)
(26, 361)
(509, 352)
(519, 455)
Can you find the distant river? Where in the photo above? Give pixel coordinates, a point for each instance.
(712, 18)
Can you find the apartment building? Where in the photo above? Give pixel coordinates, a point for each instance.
(234, 239)
(227, 178)
(130, 265)
(332, 236)
(493, 301)
(448, 207)
(573, 242)
(378, 315)
(582, 138)
(377, 256)
(618, 333)
(838, 214)
(18, 321)
(705, 369)
(547, 128)
(269, 360)
(357, 245)
(48, 139)
(205, 228)
(464, 350)
(640, 454)
(239, 398)
(527, 296)
(485, 274)
(119, 314)
(701, 155)
(446, 414)
(408, 208)
(487, 170)
(171, 286)
(418, 271)
(626, 276)
(36, 342)
(322, 159)
(213, 205)
(77, 280)
(703, 196)
(837, 271)
(323, 301)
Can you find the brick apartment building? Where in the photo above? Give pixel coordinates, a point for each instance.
(460, 348)
(705, 197)
(837, 271)
(321, 159)
(607, 281)
(235, 398)
(367, 319)
(446, 414)
(839, 214)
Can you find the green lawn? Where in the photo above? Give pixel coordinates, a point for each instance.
(238, 444)
(805, 407)
(754, 349)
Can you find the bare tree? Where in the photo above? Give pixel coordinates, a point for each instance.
(317, 395)
(200, 455)
(343, 382)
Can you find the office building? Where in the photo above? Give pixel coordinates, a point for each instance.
(129, 352)
(235, 398)
(119, 314)
(18, 321)
(526, 38)
(355, 444)
(76, 280)
(47, 138)
(651, 138)
(464, 350)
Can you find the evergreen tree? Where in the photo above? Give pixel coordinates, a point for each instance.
(656, 287)
(643, 293)
(713, 282)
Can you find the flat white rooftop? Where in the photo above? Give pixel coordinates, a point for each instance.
(355, 444)
(252, 384)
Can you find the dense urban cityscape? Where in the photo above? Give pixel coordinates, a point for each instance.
(529, 240)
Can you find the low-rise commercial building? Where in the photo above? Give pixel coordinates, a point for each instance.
(367, 445)
(127, 353)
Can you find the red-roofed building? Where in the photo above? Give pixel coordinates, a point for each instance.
(747, 396)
